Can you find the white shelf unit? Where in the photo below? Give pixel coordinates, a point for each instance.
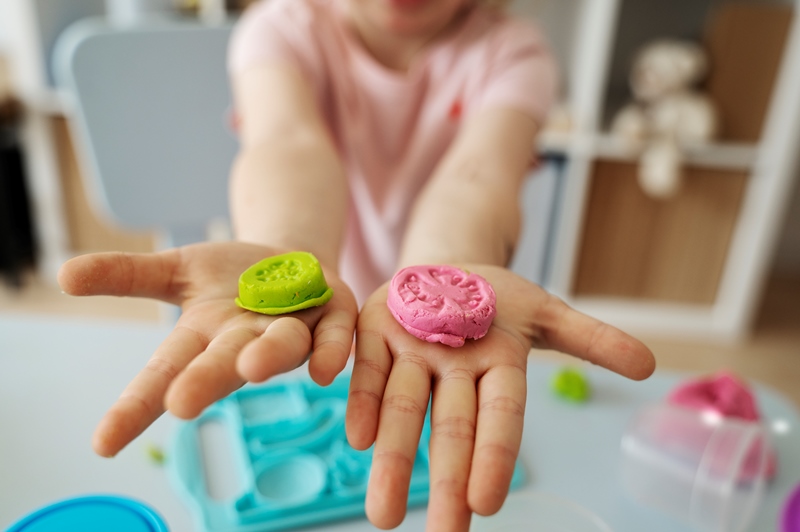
(585, 35)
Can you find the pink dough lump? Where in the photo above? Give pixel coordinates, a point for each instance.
(725, 395)
(442, 304)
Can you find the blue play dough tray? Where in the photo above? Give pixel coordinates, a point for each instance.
(293, 456)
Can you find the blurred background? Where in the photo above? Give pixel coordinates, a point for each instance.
(666, 202)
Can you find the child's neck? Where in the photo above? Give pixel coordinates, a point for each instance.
(398, 52)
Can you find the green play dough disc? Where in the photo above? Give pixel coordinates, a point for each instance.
(283, 284)
(572, 385)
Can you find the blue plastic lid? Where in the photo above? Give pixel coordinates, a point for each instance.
(97, 513)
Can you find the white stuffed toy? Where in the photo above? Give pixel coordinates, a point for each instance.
(668, 113)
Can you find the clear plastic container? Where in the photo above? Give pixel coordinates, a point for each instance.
(539, 512)
(703, 469)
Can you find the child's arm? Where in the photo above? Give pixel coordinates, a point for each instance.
(289, 194)
(288, 187)
(469, 211)
(467, 216)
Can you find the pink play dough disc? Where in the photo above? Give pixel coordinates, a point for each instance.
(442, 303)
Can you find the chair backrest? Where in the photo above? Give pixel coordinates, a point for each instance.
(150, 106)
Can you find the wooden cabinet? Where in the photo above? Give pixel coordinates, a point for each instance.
(634, 246)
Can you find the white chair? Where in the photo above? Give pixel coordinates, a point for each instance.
(150, 106)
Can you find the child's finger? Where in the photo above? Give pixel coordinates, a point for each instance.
(367, 384)
(501, 411)
(452, 439)
(210, 376)
(121, 274)
(283, 346)
(574, 333)
(142, 401)
(401, 418)
(333, 342)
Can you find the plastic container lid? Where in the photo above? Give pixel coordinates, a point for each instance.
(93, 514)
(790, 519)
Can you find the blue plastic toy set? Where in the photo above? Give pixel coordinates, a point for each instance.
(292, 453)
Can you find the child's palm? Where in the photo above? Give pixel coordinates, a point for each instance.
(215, 346)
(479, 393)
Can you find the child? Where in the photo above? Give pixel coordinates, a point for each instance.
(376, 134)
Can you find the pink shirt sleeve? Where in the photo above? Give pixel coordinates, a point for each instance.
(277, 32)
(522, 72)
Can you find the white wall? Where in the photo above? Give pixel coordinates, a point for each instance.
(55, 15)
(28, 29)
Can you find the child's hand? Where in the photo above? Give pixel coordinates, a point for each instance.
(478, 397)
(215, 346)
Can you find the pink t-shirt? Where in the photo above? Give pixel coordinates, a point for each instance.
(392, 128)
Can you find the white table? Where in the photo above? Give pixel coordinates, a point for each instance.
(57, 377)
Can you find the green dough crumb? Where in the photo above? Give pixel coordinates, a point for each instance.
(155, 454)
(572, 385)
(283, 283)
